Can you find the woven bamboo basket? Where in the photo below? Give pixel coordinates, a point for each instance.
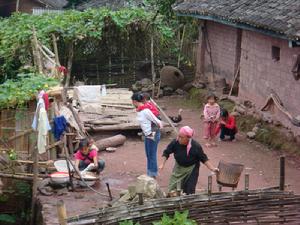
(229, 174)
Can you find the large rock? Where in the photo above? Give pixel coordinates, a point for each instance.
(168, 91)
(251, 135)
(172, 77)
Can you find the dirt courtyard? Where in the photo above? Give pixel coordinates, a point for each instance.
(129, 161)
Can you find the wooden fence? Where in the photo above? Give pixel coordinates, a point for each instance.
(16, 133)
(244, 207)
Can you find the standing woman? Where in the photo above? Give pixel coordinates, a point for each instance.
(188, 154)
(150, 126)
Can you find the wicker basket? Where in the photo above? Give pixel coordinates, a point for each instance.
(229, 174)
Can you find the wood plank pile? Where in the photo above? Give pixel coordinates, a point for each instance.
(114, 111)
(244, 207)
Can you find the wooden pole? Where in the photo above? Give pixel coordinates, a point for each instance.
(165, 116)
(141, 199)
(17, 5)
(181, 45)
(61, 212)
(152, 67)
(282, 173)
(17, 176)
(247, 181)
(70, 63)
(109, 192)
(54, 41)
(34, 185)
(178, 188)
(37, 52)
(209, 185)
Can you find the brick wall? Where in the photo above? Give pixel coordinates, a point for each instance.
(260, 73)
(222, 40)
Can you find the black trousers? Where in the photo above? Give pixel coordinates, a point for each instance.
(227, 132)
(190, 183)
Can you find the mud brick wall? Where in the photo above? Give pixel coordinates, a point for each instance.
(222, 40)
(260, 73)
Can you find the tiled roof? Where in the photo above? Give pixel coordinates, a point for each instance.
(279, 16)
(55, 4)
(113, 4)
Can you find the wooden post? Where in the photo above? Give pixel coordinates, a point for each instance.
(282, 173)
(37, 52)
(61, 212)
(165, 116)
(220, 188)
(34, 185)
(152, 67)
(181, 45)
(35, 160)
(70, 174)
(247, 181)
(54, 41)
(70, 63)
(141, 199)
(178, 188)
(17, 5)
(109, 192)
(209, 185)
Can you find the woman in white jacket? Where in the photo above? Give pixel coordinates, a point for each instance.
(150, 126)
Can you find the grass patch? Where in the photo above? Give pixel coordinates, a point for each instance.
(268, 135)
(227, 104)
(195, 99)
(246, 123)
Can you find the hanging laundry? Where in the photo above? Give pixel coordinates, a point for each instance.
(60, 125)
(42, 128)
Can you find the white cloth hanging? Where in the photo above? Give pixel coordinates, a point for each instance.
(42, 130)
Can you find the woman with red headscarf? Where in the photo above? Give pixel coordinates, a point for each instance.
(188, 154)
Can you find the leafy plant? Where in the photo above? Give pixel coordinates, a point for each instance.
(179, 218)
(17, 92)
(70, 27)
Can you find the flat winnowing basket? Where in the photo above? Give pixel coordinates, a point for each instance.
(229, 174)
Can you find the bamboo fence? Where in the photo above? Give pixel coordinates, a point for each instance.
(244, 207)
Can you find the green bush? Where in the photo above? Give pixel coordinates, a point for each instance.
(15, 93)
(177, 219)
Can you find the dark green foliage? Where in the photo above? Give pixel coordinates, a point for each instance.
(18, 92)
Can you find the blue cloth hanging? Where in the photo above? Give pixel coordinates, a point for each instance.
(60, 125)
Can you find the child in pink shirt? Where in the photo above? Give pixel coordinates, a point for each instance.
(211, 116)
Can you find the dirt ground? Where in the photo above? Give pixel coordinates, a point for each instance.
(128, 162)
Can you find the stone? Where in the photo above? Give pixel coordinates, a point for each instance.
(290, 136)
(255, 129)
(239, 109)
(146, 89)
(168, 91)
(187, 86)
(180, 92)
(248, 104)
(145, 82)
(297, 139)
(267, 117)
(123, 192)
(277, 123)
(235, 114)
(251, 135)
(135, 88)
(199, 85)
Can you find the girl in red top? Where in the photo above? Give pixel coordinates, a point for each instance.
(227, 126)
